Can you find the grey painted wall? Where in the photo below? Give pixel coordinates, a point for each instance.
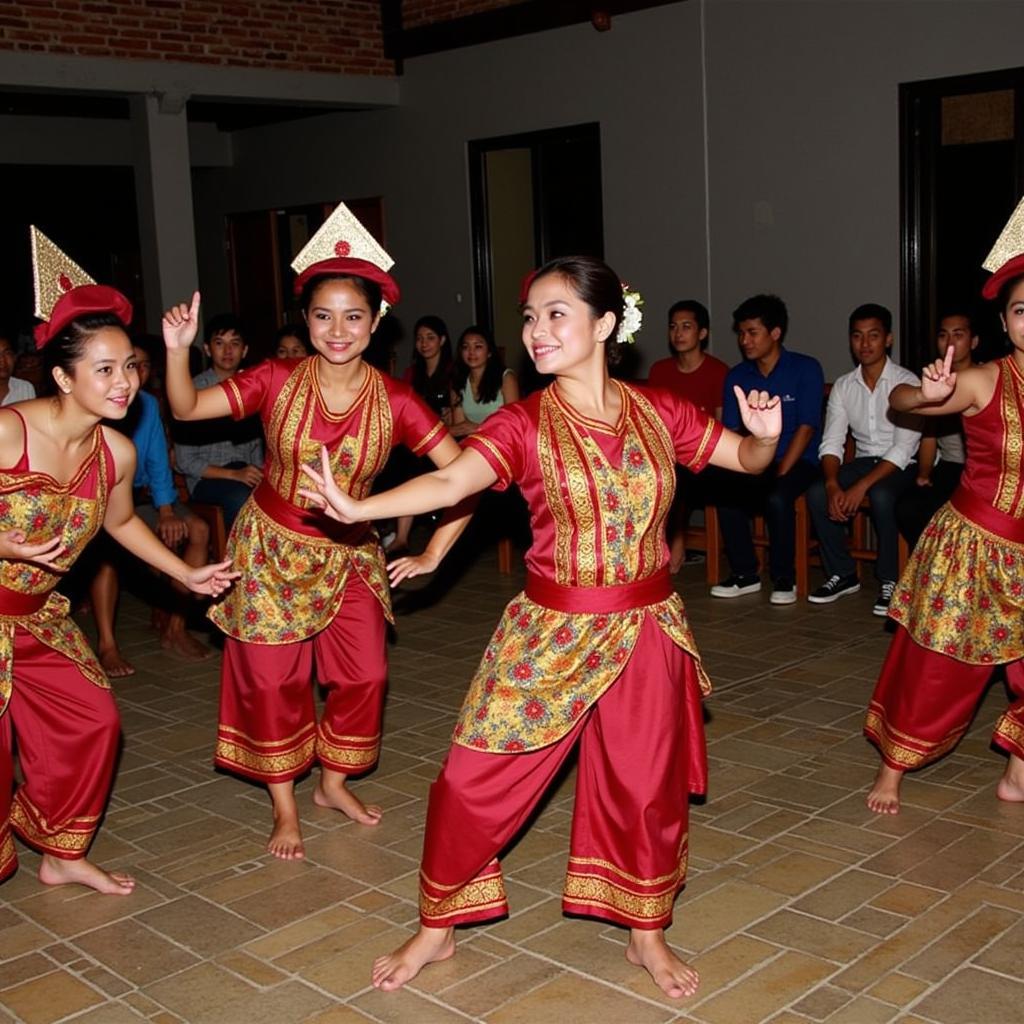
(802, 145)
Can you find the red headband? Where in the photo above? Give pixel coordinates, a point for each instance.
(80, 301)
(1010, 269)
(350, 267)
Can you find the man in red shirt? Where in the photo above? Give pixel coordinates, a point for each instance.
(694, 375)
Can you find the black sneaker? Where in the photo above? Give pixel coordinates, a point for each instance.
(884, 598)
(736, 586)
(783, 591)
(834, 588)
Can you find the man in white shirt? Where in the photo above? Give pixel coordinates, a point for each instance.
(881, 467)
(12, 389)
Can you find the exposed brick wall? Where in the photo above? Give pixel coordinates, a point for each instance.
(304, 35)
(428, 12)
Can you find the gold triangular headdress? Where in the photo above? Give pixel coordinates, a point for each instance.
(1006, 260)
(54, 273)
(342, 235)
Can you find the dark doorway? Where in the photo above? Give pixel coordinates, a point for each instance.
(534, 197)
(962, 174)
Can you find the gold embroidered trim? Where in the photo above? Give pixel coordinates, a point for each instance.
(608, 866)
(430, 435)
(495, 451)
(1007, 496)
(248, 741)
(600, 893)
(68, 838)
(481, 894)
(704, 442)
(236, 394)
(347, 751)
(8, 855)
(1011, 730)
(265, 764)
(889, 742)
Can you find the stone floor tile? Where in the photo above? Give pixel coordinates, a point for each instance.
(200, 926)
(973, 995)
(138, 954)
(48, 998)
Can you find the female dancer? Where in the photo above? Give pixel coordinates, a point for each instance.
(597, 649)
(307, 590)
(959, 605)
(67, 476)
(481, 383)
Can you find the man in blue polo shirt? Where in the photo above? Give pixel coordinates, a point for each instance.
(760, 324)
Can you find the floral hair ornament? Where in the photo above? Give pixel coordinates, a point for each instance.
(632, 319)
(64, 291)
(343, 246)
(1006, 260)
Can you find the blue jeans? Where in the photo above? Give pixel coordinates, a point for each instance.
(882, 498)
(231, 495)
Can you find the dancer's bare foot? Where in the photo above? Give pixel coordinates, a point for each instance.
(1011, 785)
(649, 950)
(286, 838)
(113, 664)
(884, 797)
(427, 946)
(331, 791)
(182, 642)
(57, 871)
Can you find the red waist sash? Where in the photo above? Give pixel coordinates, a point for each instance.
(979, 511)
(597, 600)
(311, 522)
(13, 602)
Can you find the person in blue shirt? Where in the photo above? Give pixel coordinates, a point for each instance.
(760, 324)
(156, 503)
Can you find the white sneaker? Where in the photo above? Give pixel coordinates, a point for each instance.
(736, 586)
(783, 592)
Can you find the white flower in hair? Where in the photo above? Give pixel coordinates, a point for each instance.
(632, 318)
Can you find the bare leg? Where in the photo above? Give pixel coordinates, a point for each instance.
(677, 551)
(57, 871)
(286, 838)
(884, 797)
(173, 634)
(648, 949)
(332, 791)
(1011, 785)
(103, 592)
(427, 946)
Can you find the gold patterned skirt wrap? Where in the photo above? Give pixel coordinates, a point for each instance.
(962, 592)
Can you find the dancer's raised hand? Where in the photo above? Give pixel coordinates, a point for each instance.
(180, 324)
(938, 379)
(761, 413)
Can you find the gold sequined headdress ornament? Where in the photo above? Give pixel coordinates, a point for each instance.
(64, 291)
(1006, 260)
(344, 246)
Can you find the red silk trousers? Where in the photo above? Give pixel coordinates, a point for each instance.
(641, 754)
(68, 731)
(268, 729)
(924, 701)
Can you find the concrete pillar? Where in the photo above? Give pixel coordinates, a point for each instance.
(163, 194)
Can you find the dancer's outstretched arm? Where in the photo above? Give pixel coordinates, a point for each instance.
(943, 391)
(762, 416)
(468, 474)
(448, 531)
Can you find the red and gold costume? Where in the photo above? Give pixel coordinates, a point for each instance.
(597, 650)
(54, 696)
(310, 587)
(959, 604)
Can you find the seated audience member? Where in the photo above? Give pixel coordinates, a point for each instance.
(12, 389)
(481, 383)
(760, 324)
(221, 460)
(940, 458)
(292, 342)
(156, 504)
(880, 469)
(694, 375)
(431, 377)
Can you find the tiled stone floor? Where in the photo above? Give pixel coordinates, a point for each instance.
(801, 905)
